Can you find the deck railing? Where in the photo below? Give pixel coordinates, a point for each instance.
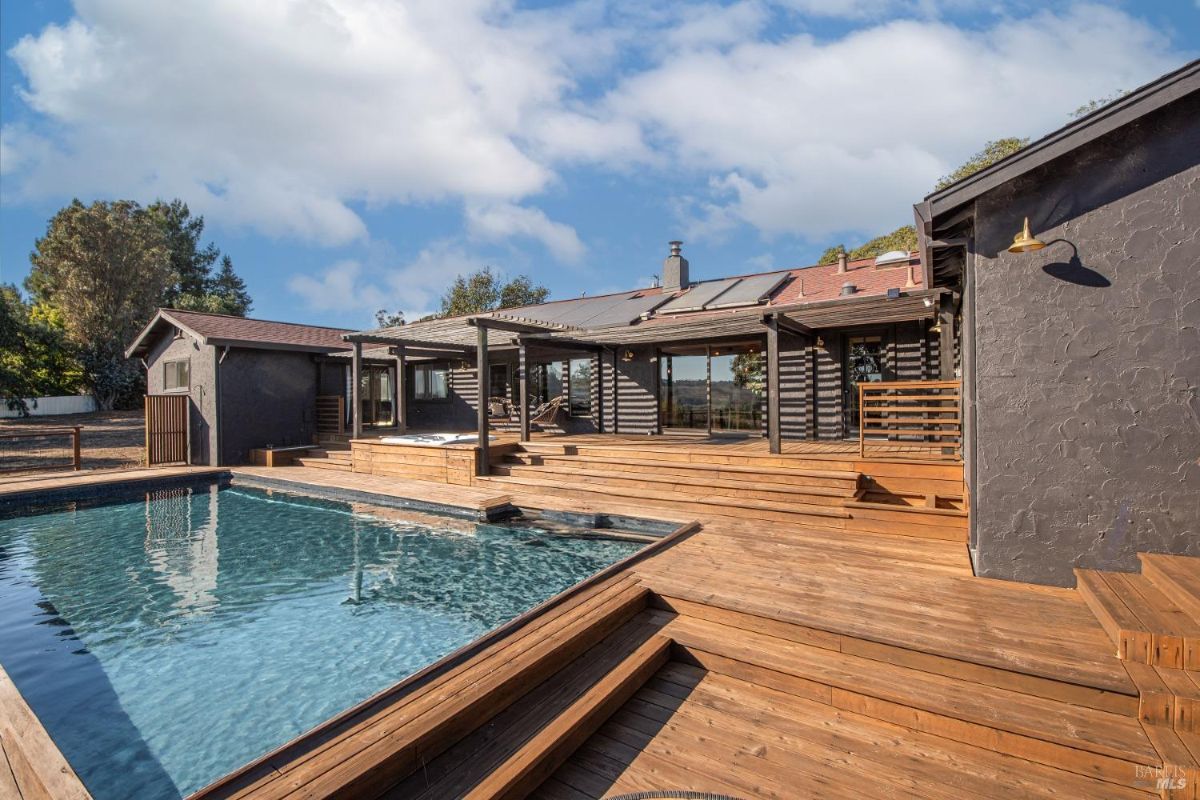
(331, 413)
(911, 417)
(31, 450)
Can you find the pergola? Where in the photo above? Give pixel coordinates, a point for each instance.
(466, 336)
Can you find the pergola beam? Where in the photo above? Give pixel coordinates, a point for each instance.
(511, 325)
(786, 323)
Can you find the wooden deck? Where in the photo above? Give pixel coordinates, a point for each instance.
(755, 659)
(31, 767)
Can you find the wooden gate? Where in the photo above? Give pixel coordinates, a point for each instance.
(168, 432)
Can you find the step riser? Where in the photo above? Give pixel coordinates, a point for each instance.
(795, 495)
(849, 486)
(591, 494)
(1180, 595)
(699, 458)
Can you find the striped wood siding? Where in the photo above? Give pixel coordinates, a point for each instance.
(167, 428)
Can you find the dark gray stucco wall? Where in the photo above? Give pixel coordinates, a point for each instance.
(1087, 370)
(201, 391)
(267, 397)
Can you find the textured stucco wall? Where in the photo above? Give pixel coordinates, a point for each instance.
(201, 390)
(1087, 372)
(267, 397)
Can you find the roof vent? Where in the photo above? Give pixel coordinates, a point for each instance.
(892, 257)
(848, 288)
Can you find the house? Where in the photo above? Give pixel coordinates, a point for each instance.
(252, 382)
(685, 355)
(1081, 358)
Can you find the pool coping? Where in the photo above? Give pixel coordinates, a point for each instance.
(451, 661)
(29, 753)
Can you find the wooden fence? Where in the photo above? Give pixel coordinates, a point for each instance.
(168, 432)
(331, 413)
(32, 449)
(911, 417)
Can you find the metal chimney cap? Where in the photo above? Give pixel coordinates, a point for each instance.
(676, 247)
(849, 288)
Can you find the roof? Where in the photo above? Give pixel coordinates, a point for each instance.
(611, 317)
(943, 209)
(225, 330)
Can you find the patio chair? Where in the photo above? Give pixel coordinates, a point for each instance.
(548, 413)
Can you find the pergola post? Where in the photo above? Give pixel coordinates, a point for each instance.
(523, 391)
(774, 438)
(356, 391)
(481, 364)
(401, 391)
(946, 337)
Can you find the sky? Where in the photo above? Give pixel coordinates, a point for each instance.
(352, 155)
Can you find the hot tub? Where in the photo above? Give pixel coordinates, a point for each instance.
(434, 439)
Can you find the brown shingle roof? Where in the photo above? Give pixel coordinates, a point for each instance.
(221, 329)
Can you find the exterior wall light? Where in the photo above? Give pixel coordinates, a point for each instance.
(1026, 242)
(627, 355)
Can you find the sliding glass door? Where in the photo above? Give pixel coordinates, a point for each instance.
(719, 389)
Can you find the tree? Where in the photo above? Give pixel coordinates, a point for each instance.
(990, 154)
(482, 291)
(35, 357)
(104, 268)
(1092, 105)
(383, 319)
(748, 372)
(903, 238)
(195, 287)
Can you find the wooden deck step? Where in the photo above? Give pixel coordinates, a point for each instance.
(1093, 743)
(520, 742)
(334, 455)
(681, 485)
(1146, 626)
(567, 486)
(928, 522)
(1177, 577)
(323, 463)
(767, 474)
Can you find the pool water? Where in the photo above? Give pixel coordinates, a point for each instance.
(167, 641)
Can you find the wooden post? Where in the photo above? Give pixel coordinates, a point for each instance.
(523, 389)
(356, 392)
(616, 424)
(708, 387)
(862, 433)
(401, 390)
(946, 337)
(75, 440)
(481, 364)
(774, 437)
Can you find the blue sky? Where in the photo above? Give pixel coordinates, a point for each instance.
(357, 154)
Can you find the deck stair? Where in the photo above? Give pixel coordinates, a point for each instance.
(1154, 626)
(330, 455)
(770, 490)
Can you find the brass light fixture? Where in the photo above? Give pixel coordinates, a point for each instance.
(627, 355)
(1026, 242)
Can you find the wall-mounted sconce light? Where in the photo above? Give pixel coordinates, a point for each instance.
(1026, 242)
(627, 355)
(820, 341)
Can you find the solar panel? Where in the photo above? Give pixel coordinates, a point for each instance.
(749, 291)
(626, 312)
(587, 308)
(698, 296)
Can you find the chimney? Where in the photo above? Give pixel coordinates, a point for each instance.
(841, 262)
(675, 269)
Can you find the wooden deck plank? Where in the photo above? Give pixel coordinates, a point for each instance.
(33, 762)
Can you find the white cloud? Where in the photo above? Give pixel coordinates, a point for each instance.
(495, 222)
(352, 287)
(817, 137)
(280, 115)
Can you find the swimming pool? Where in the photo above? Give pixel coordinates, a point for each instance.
(166, 641)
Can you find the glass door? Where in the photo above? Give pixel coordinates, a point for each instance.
(683, 391)
(737, 381)
(376, 396)
(865, 363)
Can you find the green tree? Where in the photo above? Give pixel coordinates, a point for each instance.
(384, 319)
(104, 268)
(990, 154)
(1092, 105)
(748, 372)
(903, 238)
(36, 359)
(195, 287)
(483, 290)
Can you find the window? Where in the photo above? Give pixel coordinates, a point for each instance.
(430, 383)
(177, 376)
(580, 372)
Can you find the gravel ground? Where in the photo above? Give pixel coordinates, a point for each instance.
(109, 440)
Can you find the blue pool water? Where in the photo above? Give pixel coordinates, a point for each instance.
(165, 642)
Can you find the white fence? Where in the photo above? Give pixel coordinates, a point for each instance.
(52, 406)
